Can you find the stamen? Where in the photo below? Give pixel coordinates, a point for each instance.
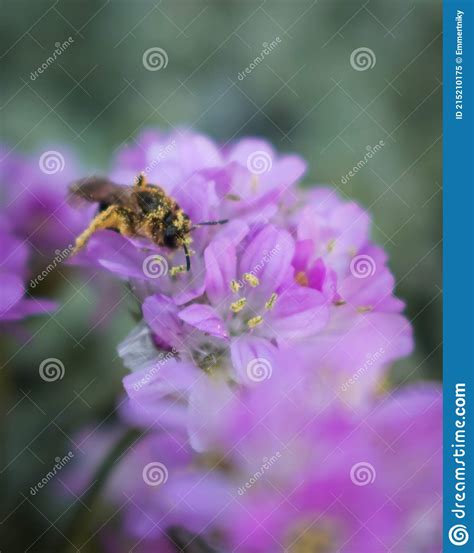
(271, 302)
(235, 286)
(178, 269)
(338, 303)
(302, 278)
(331, 245)
(251, 279)
(364, 308)
(255, 321)
(238, 305)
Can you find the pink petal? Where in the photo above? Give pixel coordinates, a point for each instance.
(299, 313)
(221, 261)
(161, 314)
(268, 257)
(253, 358)
(205, 318)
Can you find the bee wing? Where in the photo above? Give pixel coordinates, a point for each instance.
(101, 190)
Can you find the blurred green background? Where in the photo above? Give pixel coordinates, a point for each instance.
(305, 97)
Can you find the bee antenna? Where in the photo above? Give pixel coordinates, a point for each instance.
(188, 258)
(209, 223)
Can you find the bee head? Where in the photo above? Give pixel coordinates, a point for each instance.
(172, 237)
(177, 228)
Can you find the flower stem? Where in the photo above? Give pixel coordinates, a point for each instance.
(77, 533)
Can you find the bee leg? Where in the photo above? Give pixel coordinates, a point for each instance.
(141, 181)
(113, 217)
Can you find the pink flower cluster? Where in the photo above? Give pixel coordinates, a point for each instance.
(259, 373)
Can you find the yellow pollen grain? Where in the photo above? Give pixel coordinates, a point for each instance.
(271, 302)
(234, 286)
(238, 305)
(364, 308)
(255, 321)
(331, 245)
(177, 270)
(302, 278)
(251, 279)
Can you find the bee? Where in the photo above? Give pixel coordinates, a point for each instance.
(143, 210)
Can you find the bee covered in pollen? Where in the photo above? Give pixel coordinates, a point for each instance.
(142, 210)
